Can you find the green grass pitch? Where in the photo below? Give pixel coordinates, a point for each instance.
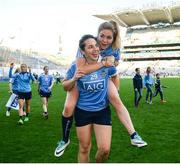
(36, 140)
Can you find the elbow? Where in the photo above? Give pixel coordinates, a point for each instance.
(66, 87)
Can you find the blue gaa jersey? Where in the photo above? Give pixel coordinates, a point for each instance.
(14, 82)
(111, 52)
(45, 82)
(79, 54)
(93, 88)
(148, 79)
(104, 53)
(23, 80)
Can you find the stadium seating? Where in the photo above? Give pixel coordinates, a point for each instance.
(152, 35)
(35, 61)
(165, 68)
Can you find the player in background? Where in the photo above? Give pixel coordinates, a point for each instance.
(45, 84)
(158, 88)
(57, 77)
(24, 90)
(138, 85)
(148, 83)
(13, 88)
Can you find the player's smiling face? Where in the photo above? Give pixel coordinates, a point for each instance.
(105, 38)
(23, 68)
(91, 50)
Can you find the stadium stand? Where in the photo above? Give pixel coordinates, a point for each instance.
(152, 38)
(165, 68)
(153, 35)
(33, 59)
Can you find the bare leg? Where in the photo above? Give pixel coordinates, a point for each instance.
(27, 106)
(44, 104)
(103, 135)
(121, 110)
(70, 103)
(21, 104)
(84, 137)
(116, 81)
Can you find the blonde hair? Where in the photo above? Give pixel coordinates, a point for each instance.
(17, 70)
(113, 26)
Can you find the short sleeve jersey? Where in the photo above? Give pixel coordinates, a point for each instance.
(23, 80)
(93, 88)
(45, 82)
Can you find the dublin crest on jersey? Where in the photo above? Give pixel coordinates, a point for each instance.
(103, 74)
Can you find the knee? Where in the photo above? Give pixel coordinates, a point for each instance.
(84, 148)
(104, 151)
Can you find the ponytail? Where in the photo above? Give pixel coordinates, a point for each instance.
(117, 38)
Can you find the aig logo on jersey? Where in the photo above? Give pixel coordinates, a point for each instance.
(94, 86)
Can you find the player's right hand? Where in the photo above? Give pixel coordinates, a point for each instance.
(78, 74)
(12, 65)
(109, 61)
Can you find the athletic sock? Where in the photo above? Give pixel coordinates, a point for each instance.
(132, 135)
(8, 109)
(66, 127)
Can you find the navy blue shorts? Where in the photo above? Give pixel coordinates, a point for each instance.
(102, 117)
(44, 94)
(24, 95)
